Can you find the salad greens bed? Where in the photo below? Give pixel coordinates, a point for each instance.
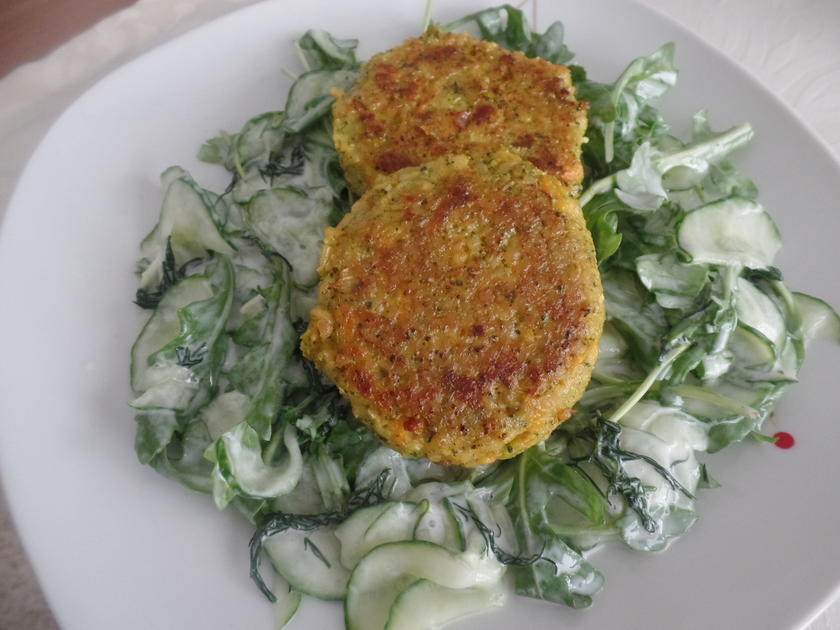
(702, 338)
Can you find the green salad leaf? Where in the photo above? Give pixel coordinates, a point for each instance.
(508, 27)
(559, 574)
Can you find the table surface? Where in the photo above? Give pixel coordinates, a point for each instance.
(31, 28)
(789, 46)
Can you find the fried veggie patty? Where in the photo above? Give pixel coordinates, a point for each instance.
(460, 308)
(447, 93)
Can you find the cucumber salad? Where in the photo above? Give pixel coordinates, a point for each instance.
(702, 338)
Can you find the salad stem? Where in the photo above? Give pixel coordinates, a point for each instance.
(603, 185)
(271, 449)
(427, 15)
(609, 141)
(708, 150)
(650, 379)
(730, 276)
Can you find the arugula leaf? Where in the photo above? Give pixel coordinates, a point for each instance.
(560, 574)
(258, 373)
(637, 317)
(155, 428)
(640, 184)
(352, 443)
(617, 108)
(602, 220)
(508, 27)
(570, 485)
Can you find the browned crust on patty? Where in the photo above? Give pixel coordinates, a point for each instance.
(451, 93)
(460, 308)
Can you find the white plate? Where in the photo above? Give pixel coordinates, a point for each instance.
(117, 546)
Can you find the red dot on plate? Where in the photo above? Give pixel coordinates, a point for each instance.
(784, 439)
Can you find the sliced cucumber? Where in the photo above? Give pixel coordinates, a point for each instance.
(224, 412)
(425, 605)
(320, 49)
(788, 362)
(684, 177)
(715, 365)
(668, 436)
(155, 428)
(309, 561)
(260, 136)
(819, 320)
(310, 174)
(171, 174)
(387, 570)
(672, 426)
(172, 386)
(292, 224)
(353, 529)
(287, 604)
(187, 220)
(612, 365)
(437, 491)
(612, 344)
(164, 326)
(758, 311)
(751, 396)
(440, 525)
(183, 458)
(246, 187)
(239, 460)
(755, 359)
(394, 523)
(703, 402)
(304, 499)
(310, 96)
(315, 177)
(750, 348)
(730, 232)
